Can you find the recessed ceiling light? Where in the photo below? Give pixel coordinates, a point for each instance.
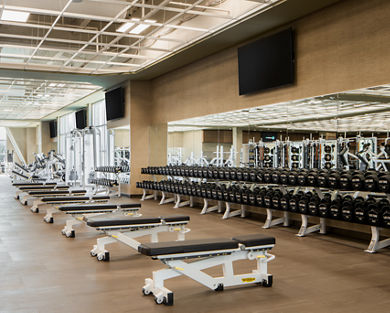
(14, 16)
(125, 27)
(141, 27)
(136, 30)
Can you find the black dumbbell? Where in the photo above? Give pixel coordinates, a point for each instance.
(371, 181)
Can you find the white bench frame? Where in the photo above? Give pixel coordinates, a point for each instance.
(126, 234)
(78, 217)
(194, 270)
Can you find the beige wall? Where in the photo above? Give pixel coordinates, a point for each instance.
(343, 47)
(27, 141)
(122, 138)
(192, 141)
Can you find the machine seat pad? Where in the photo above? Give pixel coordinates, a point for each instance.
(56, 192)
(255, 240)
(59, 199)
(119, 220)
(175, 218)
(174, 247)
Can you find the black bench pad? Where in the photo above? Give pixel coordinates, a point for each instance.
(255, 240)
(121, 220)
(59, 199)
(57, 192)
(73, 198)
(33, 184)
(47, 187)
(175, 218)
(93, 207)
(174, 247)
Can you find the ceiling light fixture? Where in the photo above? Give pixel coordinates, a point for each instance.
(14, 16)
(136, 30)
(125, 27)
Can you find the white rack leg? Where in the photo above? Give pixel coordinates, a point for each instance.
(165, 200)
(376, 243)
(207, 209)
(179, 204)
(146, 196)
(305, 229)
(269, 222)
(229, 213)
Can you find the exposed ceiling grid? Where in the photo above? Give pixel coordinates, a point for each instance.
(31, 99)
(87, 36)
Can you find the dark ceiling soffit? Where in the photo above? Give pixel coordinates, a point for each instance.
(279, 15)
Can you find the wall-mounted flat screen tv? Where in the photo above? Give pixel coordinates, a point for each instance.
(81, 119)
(53, 128)
(267, 63)
(115, 103)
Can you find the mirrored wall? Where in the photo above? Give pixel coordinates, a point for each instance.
(346, 130)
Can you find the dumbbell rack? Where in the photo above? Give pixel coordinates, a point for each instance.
(305, 229)
(114, 186)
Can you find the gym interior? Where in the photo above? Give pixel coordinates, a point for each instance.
(195, 156)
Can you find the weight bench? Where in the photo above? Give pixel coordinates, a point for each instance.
(30, 184)
(26, 189)
(80, 212)
(47, 193)
(208, 253)
(64, 200)
(28, 195)
(125, 228)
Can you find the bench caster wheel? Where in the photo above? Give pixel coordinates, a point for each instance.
(92, 253)
(103, 256)
(49, 220)
(35, 210)
(70, 234)
(267, 283)
(159, 300)
(169, 299)
(219, 288)
(146, 292)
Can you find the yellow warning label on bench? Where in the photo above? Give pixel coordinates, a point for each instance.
(248, 279)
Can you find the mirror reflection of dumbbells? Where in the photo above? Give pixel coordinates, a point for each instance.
(295, 157)
(267, 157)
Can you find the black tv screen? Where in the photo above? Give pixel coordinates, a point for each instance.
(53, 128)
(115, 104)
(267, 63)
(81, 119)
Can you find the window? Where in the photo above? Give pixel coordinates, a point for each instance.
(66, 124)
(99, 121)
(3, 145)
